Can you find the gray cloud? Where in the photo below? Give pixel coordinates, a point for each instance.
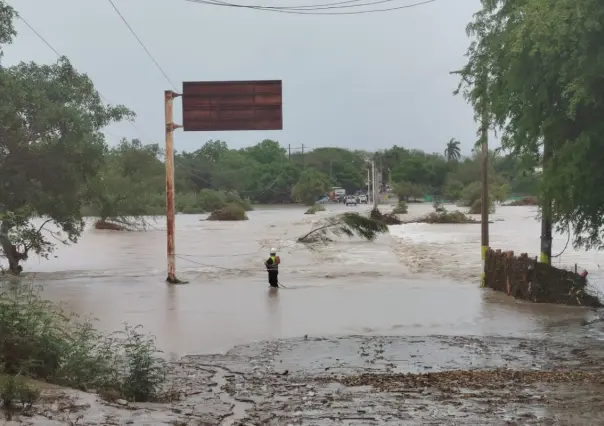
(361, 82)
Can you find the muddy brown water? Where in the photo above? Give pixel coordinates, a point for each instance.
(418, 280)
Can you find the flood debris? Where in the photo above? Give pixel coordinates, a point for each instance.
(362, 380)
(345, 224)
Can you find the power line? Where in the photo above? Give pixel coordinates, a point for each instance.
(142, 44)
(38, 34)
(313, 10)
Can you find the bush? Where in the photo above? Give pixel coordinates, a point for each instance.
(524, 201)
(41, 340)
(401, 208)
(16, 393)
(230, 211)
(315, 208)
(233, 197)
(476, 208)
(446, 217)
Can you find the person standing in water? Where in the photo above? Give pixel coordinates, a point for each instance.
(272, 267)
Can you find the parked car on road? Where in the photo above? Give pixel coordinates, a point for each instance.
(351, 200)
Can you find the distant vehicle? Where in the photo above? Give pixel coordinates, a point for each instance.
(363, 199)
(338, 191)
(351, 200)
(323, 200)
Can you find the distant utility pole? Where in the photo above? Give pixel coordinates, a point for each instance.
(302, 155)
(546, 214)
(289, 152)
(484, 135)
(375, 200)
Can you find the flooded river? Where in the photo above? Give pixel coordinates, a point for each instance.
(418, 280)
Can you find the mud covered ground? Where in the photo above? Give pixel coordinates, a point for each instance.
(365, 381)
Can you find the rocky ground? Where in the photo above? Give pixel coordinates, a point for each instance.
(365, 381)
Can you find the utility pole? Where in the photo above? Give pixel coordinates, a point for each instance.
(374, 188)
(302, 155)
(546, 214)
(369, 200)
(289, 152)
(484, 135)
(170, 127)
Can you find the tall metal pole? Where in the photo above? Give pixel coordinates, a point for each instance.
(170, 126)
(373, 186)
(368, 187)
(485, 197)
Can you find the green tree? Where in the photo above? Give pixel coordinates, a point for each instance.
(535, 70)
(452, 152)
(131, 176)
(52, 145)
(311, 186)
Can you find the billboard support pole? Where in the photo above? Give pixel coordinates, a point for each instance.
(170, 127)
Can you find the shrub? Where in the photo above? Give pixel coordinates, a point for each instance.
(476, 207)
(401, 208)
(315, 208)
(233, 197)
(16, 393)
(446, 217)
(230, 211)
(41, 340)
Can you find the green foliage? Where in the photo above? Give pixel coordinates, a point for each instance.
(230, 211)
(452, 152)
(41, 340)
(401, 208)
(443, 216)
(406, 190)
(315, 208)
(535, 70)
(16, 394)
(311, 185)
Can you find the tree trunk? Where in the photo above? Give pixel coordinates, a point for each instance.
(10, 250)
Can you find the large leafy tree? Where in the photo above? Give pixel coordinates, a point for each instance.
(51, 145)
(536, 71)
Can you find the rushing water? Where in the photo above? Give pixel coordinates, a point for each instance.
(419, 279)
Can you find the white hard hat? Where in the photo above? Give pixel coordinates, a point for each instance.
(273, 250)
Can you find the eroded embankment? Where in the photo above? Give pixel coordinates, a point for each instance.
(366, 381)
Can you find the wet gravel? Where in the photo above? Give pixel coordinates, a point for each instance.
(368, 381)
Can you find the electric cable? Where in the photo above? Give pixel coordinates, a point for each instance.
(142, 44)
(308, 11)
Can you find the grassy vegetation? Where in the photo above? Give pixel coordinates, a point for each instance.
(40, 340)
(315, 208)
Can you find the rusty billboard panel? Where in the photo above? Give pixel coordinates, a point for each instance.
(232, 105)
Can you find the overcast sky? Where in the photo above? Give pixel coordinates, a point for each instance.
(362, 82)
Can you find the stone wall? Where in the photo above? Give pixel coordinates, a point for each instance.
(524, 278)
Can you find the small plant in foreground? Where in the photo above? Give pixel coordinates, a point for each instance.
(43, 341)
(315, 208)
(16, 394)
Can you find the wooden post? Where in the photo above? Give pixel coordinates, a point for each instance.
(170, 127)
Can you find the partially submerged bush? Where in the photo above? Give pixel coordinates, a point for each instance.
(386, 218)
(524, 201)
(476, 208)
(229, 212)
(401, 208)
(41, 340)
(438, 207)
(315, 208)
(446, 217)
